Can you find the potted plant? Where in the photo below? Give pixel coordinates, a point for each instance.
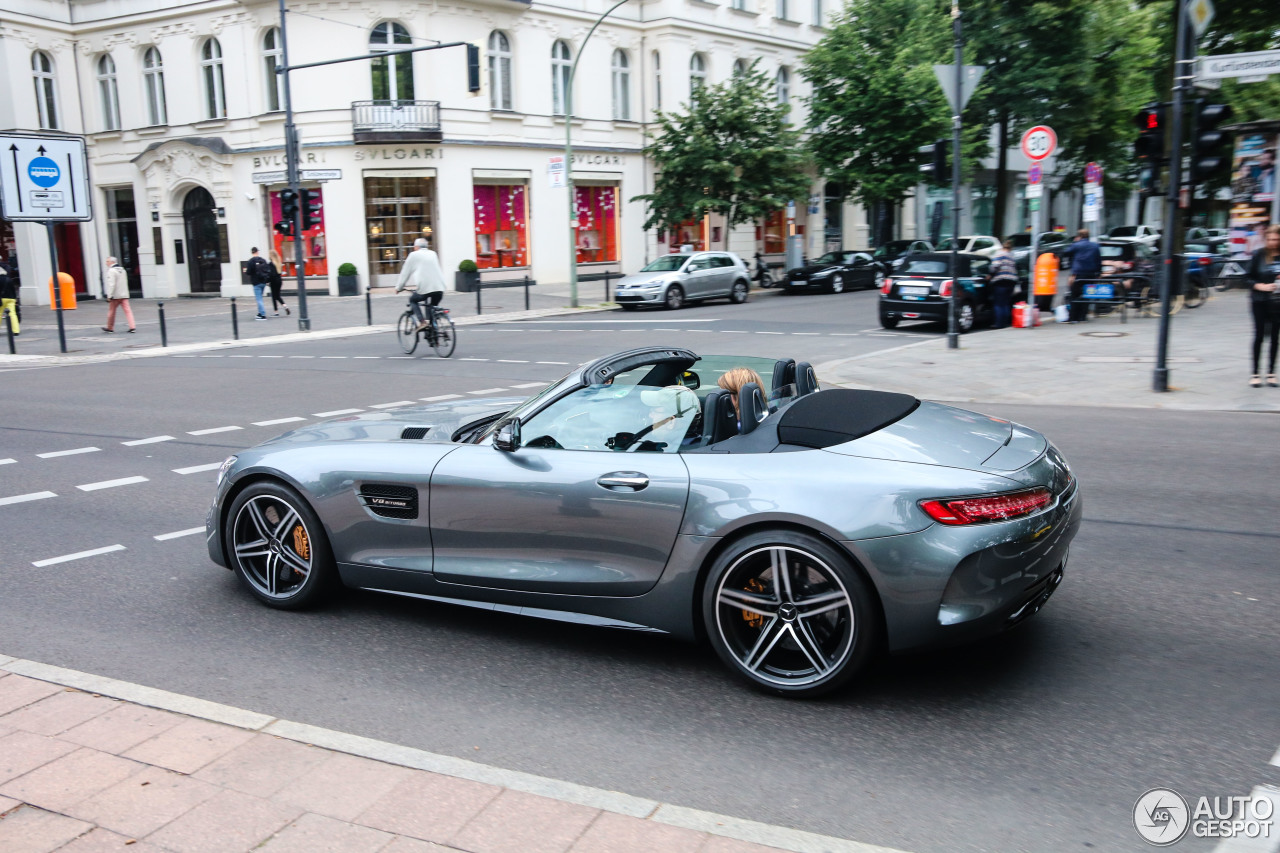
(348, 283)
(467, 278)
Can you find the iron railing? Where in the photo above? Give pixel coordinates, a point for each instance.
(395, 116)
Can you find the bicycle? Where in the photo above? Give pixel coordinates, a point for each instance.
(440, 334)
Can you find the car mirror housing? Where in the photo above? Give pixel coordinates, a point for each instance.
(507, 438)
(691, 380)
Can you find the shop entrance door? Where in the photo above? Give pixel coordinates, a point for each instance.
(204, 245)
(398, 210)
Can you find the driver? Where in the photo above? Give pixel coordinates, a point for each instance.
(672, 411)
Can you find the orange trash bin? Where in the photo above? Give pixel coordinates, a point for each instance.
(1046, 274)
(67, 285)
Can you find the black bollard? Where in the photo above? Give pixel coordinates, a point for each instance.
(235, 322)
(526, 293)
(478, 312)
(8, 327)
(368, 307)
(164, 334)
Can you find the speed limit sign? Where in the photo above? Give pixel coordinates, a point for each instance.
(1039, 142)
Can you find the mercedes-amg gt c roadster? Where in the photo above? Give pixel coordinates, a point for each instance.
(796, 528)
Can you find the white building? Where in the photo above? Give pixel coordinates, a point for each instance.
(183, 115)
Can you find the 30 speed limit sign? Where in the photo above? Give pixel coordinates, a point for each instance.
(1039, 142)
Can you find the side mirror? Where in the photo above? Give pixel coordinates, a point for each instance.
(691, 380)
(507, 438)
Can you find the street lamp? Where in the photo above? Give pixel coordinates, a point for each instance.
(568, 158)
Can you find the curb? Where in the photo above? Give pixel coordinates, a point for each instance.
(780, 837)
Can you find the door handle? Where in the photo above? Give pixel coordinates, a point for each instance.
(623, 480)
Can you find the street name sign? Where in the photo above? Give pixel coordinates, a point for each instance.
(969, 77)
(44, 179)
(1249, 65)
(1039, 142)
(269, 177)
(320, 175)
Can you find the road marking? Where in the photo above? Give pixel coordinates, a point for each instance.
(278, 421)
(79, 555)
(213, 430)
(33, 496)
(846, 334)
(239, 356)
(530, 385)
(473, 359)
(770, 333)
(487, 391)
(337, 412)
(270, 356)
(551, 362)
(153, 440)
(176, 356)
(111, 484)
(7, 461)
(722, 331)
(67, 452)
(597, 321)
(211, 356)
(190, 531)
(333, 356)
(513, 361)
(439, 397)
(366, 356)
(302, 356)
(806, 333)
(196, 469)
(394, 405)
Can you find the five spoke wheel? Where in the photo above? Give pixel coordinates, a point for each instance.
(277, 546)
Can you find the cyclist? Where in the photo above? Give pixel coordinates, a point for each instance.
(421, 272)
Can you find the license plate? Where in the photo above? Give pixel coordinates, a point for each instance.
(915, 292)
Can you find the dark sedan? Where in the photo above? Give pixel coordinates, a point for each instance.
(922, 289)
(836, 272)
(894, 253)
(1050, 241)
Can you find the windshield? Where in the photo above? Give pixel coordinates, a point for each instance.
(923, 267)
(1124, 231)
(892, 249)
(1111, 251)
(1020, 241)
(666, 263)
(828, 258)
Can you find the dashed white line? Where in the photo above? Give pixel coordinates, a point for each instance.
(770, 333)
(366, 356)
(439, 397)
(275, 421)
(239, 356)
(213, 430)
(196, 469)
(67, 452)
(513, 361)
(722, 331)
(807, 334)
(530, 385)
(400, 358)
(487, 391)
(846, 334)
(211, 356)
(270, 356)
(552, 362)
(79, 555)
(394, 405)
(333, 356)
(111, 484)
(337, 412)
(302, 356)
(153, 440)
(7, 461)
(473, 359)
(190, 531)
(21, 499)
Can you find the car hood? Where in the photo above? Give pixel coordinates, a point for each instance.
(442, 419)
(646, 277)
(814, 268)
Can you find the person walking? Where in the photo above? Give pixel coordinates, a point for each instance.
(260, 278)
(421, 272)
(277, 283)
(1086, 263)
(1004, 278)
(117, 296)
(9, 299)
(1264, 302)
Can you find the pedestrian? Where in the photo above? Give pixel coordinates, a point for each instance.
(1264, 268)
(1004, 278)
(9, 299)
(260, 278)
(277, 301)
(1086, 263)
(421, 273)
(117, 296)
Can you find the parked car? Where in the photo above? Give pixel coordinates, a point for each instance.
(894, 252)
(921, 290)
(1050, 241)
(973, 244)
(836, 272)
(1143, 234)
(1205, 258)
(1199, 235)
(673, 280)
(1126, 257)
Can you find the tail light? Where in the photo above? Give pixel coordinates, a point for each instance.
(955, 511)
(887, 286)
(1205, 262)
(945, 290)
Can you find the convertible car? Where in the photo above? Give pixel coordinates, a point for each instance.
(797, 529)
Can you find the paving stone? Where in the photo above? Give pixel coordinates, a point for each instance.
(343, 786)
(263, 765)
(516, 822)
(18, 690)
(122, 728)
(57, 713)
(229, 821)
(615, 833)
(32, 830)
(65, 781)
(189, 745)
(6, 804)
(104, 841)
(429, 806)
(313, 833)
(720, 844)
(144, 802)
(22, 752)
(413, 845)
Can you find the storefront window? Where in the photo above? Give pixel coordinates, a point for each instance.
(774, 234)
(502, 225)
(691, 233)
(314, 251)
(597, 223)
(398, 210)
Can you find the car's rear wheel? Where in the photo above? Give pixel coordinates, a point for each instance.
(278, 547)
(789, 614)
(965, 317)
(888, 322)
(674, 297)
(879, 279)
(837, 283)
(738, 294)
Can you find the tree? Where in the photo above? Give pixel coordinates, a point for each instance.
(732, 152)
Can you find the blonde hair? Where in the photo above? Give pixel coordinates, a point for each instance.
(1271, 229)
(276, 259)
(735, 377)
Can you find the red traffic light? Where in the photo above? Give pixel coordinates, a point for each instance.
(1153, 121)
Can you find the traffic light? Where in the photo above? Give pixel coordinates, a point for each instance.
(284, 228)
(1151, 123)
(1210, 147)
(288, 206)
(935, 169)
(473, 69)
(311, 206)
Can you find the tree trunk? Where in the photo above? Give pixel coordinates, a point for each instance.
(1002, 166)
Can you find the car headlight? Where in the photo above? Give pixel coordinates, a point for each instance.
(654, 285)
(225, 467)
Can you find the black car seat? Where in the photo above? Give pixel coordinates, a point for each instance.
(719, 420)
(784, 374)
(806, 379)
(752, 406)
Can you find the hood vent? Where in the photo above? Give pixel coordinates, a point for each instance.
(390, 501)
(414, 432)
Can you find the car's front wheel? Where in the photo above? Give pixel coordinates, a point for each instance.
(878, 281)
(836, 284)
(965, 317)
(278, 547)
(738, 294)
(789, 614)
(674, 297)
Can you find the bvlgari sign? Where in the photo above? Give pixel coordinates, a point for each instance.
(403, 154)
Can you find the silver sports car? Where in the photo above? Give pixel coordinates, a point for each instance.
(797, 529)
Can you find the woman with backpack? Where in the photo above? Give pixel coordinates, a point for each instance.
(276, 282)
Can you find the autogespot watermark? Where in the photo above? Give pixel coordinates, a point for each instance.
(1163, 817)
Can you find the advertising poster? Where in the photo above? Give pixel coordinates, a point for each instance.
(1253, 191)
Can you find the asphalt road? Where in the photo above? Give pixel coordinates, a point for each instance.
(1155, 664)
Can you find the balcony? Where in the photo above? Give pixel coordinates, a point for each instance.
(395, 121)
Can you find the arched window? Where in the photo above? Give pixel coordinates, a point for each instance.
(782, 87)
(740, 68)
(108, 92)
(697, 71)
(153, 85)
(392, 75)
(215, 93)
(499, 71)
(561, 61)
(46, 95)
(272, 58)
(657, 81)
(621, 86)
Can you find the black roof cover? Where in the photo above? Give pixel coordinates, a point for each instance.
(837, 415)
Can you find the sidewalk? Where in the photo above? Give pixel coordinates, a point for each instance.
(84, 772)
(1099, 363)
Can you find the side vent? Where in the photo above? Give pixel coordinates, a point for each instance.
(390, 501)
(414, 432)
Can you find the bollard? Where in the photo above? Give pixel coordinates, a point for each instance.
(164, 335)
(8, 326)
(235, 322)
(478, 299)
(526, 293)
(368, 306)
(607, 279)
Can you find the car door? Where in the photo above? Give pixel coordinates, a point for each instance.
(726, 272)
(860, 270)
(700, 274)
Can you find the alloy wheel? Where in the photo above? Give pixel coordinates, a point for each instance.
(964, 317)
(273, 546)
(879, 279)
(739, 293)
(837, 283)
(674, 297)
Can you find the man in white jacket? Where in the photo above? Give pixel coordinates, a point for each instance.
(421, 272)
(117, 295)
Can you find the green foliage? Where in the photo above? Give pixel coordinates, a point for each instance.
(347, 269)
(731, 152)
(467, 265)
